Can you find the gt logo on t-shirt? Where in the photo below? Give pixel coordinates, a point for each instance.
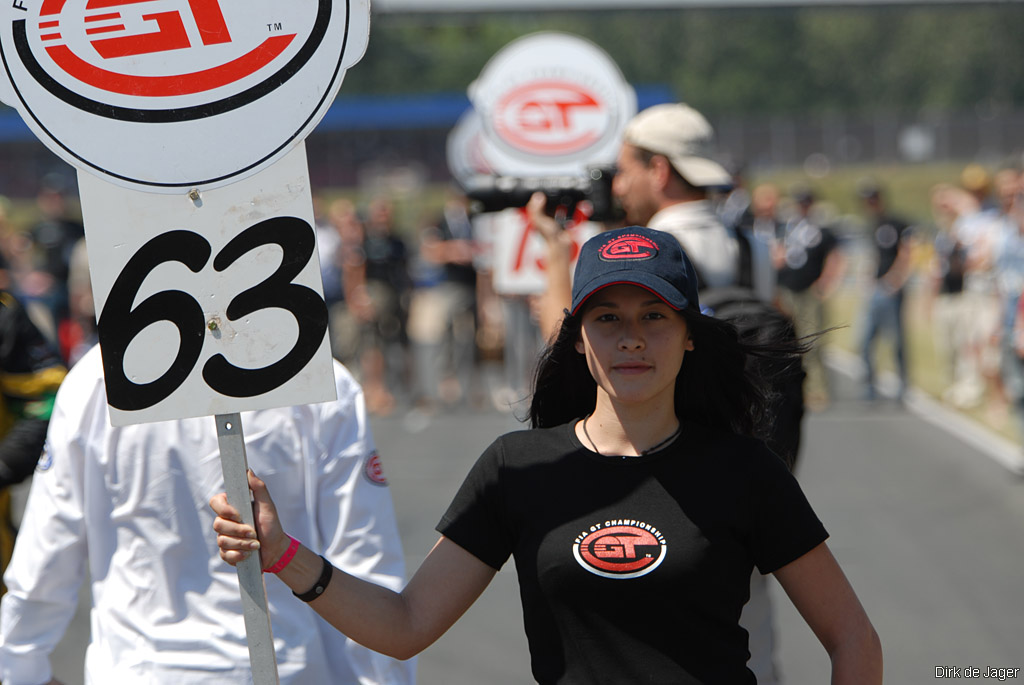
(620, 549)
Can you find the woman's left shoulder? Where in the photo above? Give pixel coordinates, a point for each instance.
(534, 444)
(743, 453)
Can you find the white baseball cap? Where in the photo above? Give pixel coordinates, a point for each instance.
(685, 137)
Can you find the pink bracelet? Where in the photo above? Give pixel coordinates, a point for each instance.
(286, 558)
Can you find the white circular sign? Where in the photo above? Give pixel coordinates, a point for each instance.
(551, 103)
(165, 95)
(465, 158)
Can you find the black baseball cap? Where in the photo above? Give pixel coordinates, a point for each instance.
(639, 256)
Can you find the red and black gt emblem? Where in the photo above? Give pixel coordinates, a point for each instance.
(620, 549)
(126, 88)
(101, 18)
(549, 117)
(629, 246)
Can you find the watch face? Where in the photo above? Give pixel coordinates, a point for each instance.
(165, 95)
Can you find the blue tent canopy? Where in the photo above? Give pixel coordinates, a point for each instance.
(375, 112)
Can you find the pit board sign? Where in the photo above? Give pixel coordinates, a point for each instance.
(211, 304)
(185, 119)
(168, 95)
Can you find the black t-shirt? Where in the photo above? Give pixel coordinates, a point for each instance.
(951, 257)
(30, 373)
(386, 260)
(807, 245)
(456, 225)
(888, 233)
(56, 238)
(633, 569)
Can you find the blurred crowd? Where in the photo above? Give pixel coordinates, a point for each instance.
(44, 264)
(976, 280)
(415, 315)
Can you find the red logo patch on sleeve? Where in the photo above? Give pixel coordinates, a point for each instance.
(374, 470)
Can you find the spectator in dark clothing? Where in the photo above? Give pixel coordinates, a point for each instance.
(891, 239)
(53, 240)
(30, 373)
(810, 266)
(387, 285)
(442, 314)
(947, 282)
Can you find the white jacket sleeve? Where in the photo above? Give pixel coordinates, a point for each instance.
(357, 526)
(50, 556)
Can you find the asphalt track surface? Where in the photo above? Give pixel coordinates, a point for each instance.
(928, 526)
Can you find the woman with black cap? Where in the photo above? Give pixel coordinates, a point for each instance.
(635, 509)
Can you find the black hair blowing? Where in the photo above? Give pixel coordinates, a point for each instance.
(725, 383)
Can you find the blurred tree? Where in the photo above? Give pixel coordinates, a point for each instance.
(737, 61)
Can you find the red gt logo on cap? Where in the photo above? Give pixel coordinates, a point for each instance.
(630, 246)
(626, 549)
(374, 470)
(550, 118)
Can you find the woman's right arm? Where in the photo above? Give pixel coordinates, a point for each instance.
(821, 593)
(396, 624)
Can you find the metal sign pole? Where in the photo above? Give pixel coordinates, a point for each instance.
(250, 574)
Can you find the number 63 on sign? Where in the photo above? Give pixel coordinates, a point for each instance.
(208, 303)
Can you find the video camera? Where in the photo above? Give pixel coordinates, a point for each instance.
(564, 193)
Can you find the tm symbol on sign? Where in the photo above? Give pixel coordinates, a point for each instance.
(276, 26)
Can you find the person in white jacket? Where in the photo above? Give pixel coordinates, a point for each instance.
(128, 507)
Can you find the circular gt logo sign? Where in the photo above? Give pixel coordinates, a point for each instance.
(164, 95)
(551, 104)
(620, 551)
(551, 118)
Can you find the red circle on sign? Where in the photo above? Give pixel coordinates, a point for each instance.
(550, 118)
(107, 27)
(109, 40)
(126, 88)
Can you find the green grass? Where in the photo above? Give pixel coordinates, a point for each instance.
(908, 186)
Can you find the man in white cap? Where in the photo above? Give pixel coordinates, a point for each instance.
(665, 171)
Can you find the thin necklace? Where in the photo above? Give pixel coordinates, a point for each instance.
(643, 453)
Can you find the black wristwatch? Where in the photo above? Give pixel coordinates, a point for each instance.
(321, 583)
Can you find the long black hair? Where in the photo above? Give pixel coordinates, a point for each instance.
(725, 382)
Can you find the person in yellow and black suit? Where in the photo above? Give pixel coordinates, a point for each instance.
(30, 373)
